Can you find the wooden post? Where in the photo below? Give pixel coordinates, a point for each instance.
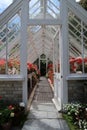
(23, 48)
(64, 48)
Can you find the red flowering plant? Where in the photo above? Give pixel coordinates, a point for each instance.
(14, 114)
(6, 114)
(32, 68)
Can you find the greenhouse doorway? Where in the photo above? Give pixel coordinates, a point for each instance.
(43, 65)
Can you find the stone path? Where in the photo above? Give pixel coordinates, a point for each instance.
(43, 114)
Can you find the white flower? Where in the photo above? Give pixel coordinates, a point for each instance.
(12, 114)
(0, 113)
(22, 104)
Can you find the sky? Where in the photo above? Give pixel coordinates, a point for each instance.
(5, 3)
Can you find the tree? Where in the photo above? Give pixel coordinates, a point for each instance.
(84, 4)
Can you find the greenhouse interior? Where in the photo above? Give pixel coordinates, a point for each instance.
(44, 38)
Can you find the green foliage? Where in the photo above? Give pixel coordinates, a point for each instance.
(6, 115)
(69, 122)
(84, 4)
(16, 114)
(76, 114)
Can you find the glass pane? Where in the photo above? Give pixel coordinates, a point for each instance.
(75, 44)
(3, 41)
(34, 8)
(10, 46)
(14, 45)
(44, 9)
(53, 8)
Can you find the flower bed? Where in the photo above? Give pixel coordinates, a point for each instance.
(76, 116)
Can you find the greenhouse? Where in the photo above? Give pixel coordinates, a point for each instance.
(42, 34)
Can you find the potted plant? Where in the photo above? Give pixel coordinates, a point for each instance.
(12, 115)
(20, 115)
(6, 116)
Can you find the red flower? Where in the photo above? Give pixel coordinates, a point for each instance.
(0, 97)
(10, 107)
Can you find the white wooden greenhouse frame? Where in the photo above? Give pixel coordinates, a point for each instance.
(60, 24)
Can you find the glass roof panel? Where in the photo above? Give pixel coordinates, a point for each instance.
(41, 39)
(53, 7)
(35, 29)
(56, 3)
(34, 8)
(32, 3)
(44, 9)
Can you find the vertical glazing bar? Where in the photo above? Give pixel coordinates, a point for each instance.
(23, 48)
(82, 42)
(64, 48)
(6, 49)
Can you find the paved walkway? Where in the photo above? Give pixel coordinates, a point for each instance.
(43, 114)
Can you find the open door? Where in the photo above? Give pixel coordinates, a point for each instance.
(43, 67)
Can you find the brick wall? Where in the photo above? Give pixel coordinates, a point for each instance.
(11, 91)
(77, 91)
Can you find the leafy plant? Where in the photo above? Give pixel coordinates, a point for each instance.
(76, 115)
(6, 114)
(15, 113)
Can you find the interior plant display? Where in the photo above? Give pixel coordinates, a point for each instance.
(32, 68)
(13, 66)
(33, 76)
(50, 72)
(2, 66)
(76, 65)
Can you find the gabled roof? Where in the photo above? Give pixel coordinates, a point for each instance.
(41, 37)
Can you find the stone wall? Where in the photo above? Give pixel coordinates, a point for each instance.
(11, 91)
(77, 91)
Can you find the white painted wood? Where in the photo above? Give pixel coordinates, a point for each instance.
(23, 48)
(63, 41)
(64, 56)
(39, 62)
(54, 73)
(10, 12)
(44, 22)
(6, 49)
(82, 42)
(46, 64)
(11, 77)
(78, 10)
(77, 77)
(45, 6)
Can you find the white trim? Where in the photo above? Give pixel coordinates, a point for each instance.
(44, 21)
(10, 12)
(78, 10)
(77, 77)
(11, 78)
(64, 47)
(23, 48)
